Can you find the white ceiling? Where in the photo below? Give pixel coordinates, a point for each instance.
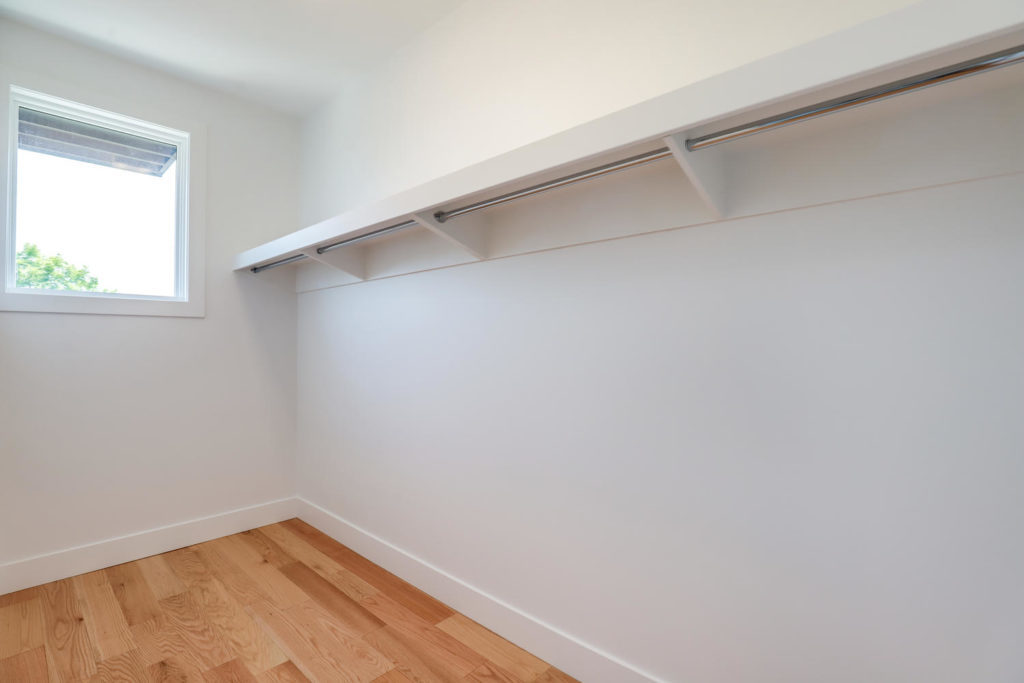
(290, 54)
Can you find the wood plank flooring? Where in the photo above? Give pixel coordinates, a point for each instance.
(279, 604)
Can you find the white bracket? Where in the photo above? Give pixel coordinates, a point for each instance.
(705, 169)
(347, 260)
(467, 237)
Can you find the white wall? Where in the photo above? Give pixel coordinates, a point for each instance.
(777, 449)
(783, 448)
(114, 425)
(497, 74)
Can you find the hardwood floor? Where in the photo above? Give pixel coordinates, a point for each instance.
(278, 604)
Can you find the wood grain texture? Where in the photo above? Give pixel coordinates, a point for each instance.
(166, 654)
(70, 654)
(21, 627)
(26, 666)
(237, 582)
(280, 591)
(283, 673)
(413, 658)
(229, 672)
(181, 615)
(133, 593)
(244, 636)
(267, 548)
(458, 655)
(173, 670)
(104, 618)
(393, 676)
(491, 673)
(319, 647)
(188, 566)
(553, 675)
(424, 606)
(19, 596)
(127, 667)
(280, 604)
(344, 580)
(509, 657)
(160, 578)
(355, 618)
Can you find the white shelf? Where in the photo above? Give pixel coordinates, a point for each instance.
(819, 70)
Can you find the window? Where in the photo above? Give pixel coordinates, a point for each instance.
(98, 212)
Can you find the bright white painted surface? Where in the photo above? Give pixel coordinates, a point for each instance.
(59, 564)
(289, 54)
(542, 639)
(830, 66)
(914, 141)
(113, 425)
(783, 448)
(498, 74)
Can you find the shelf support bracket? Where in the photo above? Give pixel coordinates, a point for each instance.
(705, 170)
(348, 261)
(467, 237)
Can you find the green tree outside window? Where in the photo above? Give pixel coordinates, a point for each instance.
(39, 271)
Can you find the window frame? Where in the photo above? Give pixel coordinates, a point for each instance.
(188, 298)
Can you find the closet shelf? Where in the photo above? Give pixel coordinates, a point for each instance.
(660, 128)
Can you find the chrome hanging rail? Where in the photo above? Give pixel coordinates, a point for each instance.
(971, 67)
(376, 233)
(621, 165)
(279, 262)
(334, 245)
(442, 216)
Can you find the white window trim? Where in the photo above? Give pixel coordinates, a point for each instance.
(189, 298)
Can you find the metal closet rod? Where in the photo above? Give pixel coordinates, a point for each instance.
(442, 216)
(996, 60)
(621, 165)
(334, 245)
(971, 67)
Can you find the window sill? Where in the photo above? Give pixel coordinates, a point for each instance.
(56, 302)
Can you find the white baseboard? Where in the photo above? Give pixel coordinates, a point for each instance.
(32, 571)
(570, 654)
